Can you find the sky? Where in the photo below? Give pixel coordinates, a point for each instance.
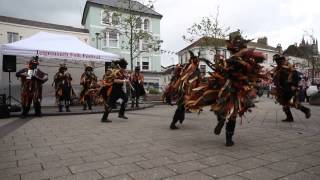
(282, 21)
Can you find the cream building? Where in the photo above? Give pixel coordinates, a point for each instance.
(14, 29)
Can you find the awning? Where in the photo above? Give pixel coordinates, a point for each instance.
(57, 46)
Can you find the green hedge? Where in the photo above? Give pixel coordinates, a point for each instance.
(154, 91)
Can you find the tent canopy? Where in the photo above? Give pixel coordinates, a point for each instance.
(58, 46)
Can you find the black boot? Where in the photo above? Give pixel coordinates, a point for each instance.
(305, 110)
(229, 141)
(173, 126)
(175, 119)
(25, 111)
(231, 124)
(68, 109)
(288, 113)
(105, 117)
(60, 108)
(219, 126)
(37, 109)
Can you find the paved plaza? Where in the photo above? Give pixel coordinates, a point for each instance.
(143, 147)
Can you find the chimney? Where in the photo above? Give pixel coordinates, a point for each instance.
(279, 48)
(263, 40)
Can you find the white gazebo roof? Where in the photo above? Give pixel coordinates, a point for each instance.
(57, 46)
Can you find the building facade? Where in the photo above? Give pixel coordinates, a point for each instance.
(14, 29)
(207, 48)
(105, 21)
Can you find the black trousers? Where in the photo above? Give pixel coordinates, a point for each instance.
(118, 93)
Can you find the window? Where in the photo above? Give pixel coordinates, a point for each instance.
(138, 64)
(105, 17)
(113, 39)
(115, 19)
(145, 63)
(12, 37)
(144, 46)
(138, 23)
(203, 68)
(146, 25)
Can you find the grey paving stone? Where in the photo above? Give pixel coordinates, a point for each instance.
(118, 170)
(124, 160)
(301, 176)
(101, 157)
(288, 166)
(314, 170)
(221, 170)
(26, 162)
(262, 173)
(76, 154)
(62, 163)
(7, 165)
(152, 174)
(121, 177)
(233, 177)
(186, 157)
(250, 163)
(217, 160)
(89, 175)
(155, 162)
(186, 166)
(9, 177)
(191, 176)
(46, 174)
(89, 166)
(307, 159)
(242, 153)
(21, 170)
(159, 154)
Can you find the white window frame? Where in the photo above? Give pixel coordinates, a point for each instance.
(149, 27)
(142, 20)
(101, 17)
(111, 13)
(13, 34)
(145, 59)
(108, 40)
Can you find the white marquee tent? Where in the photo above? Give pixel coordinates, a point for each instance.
(57, 46)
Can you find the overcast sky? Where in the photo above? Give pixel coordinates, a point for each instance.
(282, 21)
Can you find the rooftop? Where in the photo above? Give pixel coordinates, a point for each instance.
(120, 4)
(41, 24)
(209, 41)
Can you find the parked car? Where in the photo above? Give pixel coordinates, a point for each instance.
(312, 90)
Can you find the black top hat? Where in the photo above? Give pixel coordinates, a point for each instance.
(236, 42)
(279, 59)
(122, 63)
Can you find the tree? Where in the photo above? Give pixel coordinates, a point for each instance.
(209, 31)
(138, 37)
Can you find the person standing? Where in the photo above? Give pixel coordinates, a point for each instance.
(286, 80)
(119, 80)
(137, 80)
(32, 79)
(88, 81)
(62, 83)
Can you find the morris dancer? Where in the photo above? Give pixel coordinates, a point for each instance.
(137, 80)
(63, 87)
(32, 79)
(185, 78)
(231, 87)
(88, 81)
(114, 88)
(286, 80)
